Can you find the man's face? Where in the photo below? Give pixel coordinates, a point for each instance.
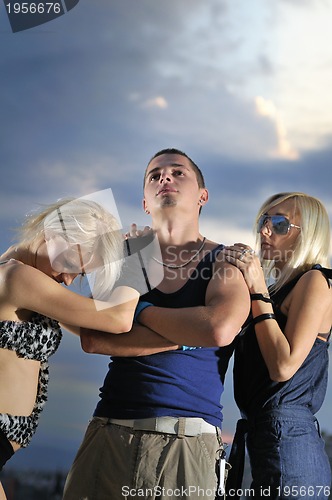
(171, 181)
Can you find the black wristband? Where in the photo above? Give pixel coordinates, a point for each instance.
(261, 296)
(263, 317)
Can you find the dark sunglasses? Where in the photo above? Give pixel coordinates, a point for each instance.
(278, 224)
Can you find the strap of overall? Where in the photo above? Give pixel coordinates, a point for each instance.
(236, 459)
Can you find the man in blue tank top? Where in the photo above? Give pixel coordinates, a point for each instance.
(155, 432)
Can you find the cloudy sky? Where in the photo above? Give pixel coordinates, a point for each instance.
(85, 100)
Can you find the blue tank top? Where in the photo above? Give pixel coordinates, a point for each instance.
(255, 392)
(181, 383)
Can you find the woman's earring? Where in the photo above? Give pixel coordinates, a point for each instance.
(147, 211)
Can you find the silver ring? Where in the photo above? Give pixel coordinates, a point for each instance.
(252, 252)
(241, 256)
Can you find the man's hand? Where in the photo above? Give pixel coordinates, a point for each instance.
(134, 232)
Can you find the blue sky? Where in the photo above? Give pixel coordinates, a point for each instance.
(87, 99)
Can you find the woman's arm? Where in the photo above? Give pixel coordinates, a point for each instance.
(308, 308)
(140, 341)
(309, 313)
(29, 288)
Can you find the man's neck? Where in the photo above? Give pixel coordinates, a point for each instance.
(177, 234)
(174, 228)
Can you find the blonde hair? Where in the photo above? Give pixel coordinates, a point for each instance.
(80, 222)
(313, 242)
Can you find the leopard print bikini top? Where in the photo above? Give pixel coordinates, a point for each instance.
(36, 339)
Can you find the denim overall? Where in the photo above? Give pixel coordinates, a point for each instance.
(282, 435)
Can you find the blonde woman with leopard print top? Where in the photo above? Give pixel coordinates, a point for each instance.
(59, 243)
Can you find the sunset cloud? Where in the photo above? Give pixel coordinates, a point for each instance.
(284, 149)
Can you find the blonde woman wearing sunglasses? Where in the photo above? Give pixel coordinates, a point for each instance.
(281, 358)
(55, 245)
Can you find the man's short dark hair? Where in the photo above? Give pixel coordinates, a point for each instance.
(174, 151)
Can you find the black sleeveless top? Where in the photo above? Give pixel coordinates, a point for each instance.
(254, 390)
